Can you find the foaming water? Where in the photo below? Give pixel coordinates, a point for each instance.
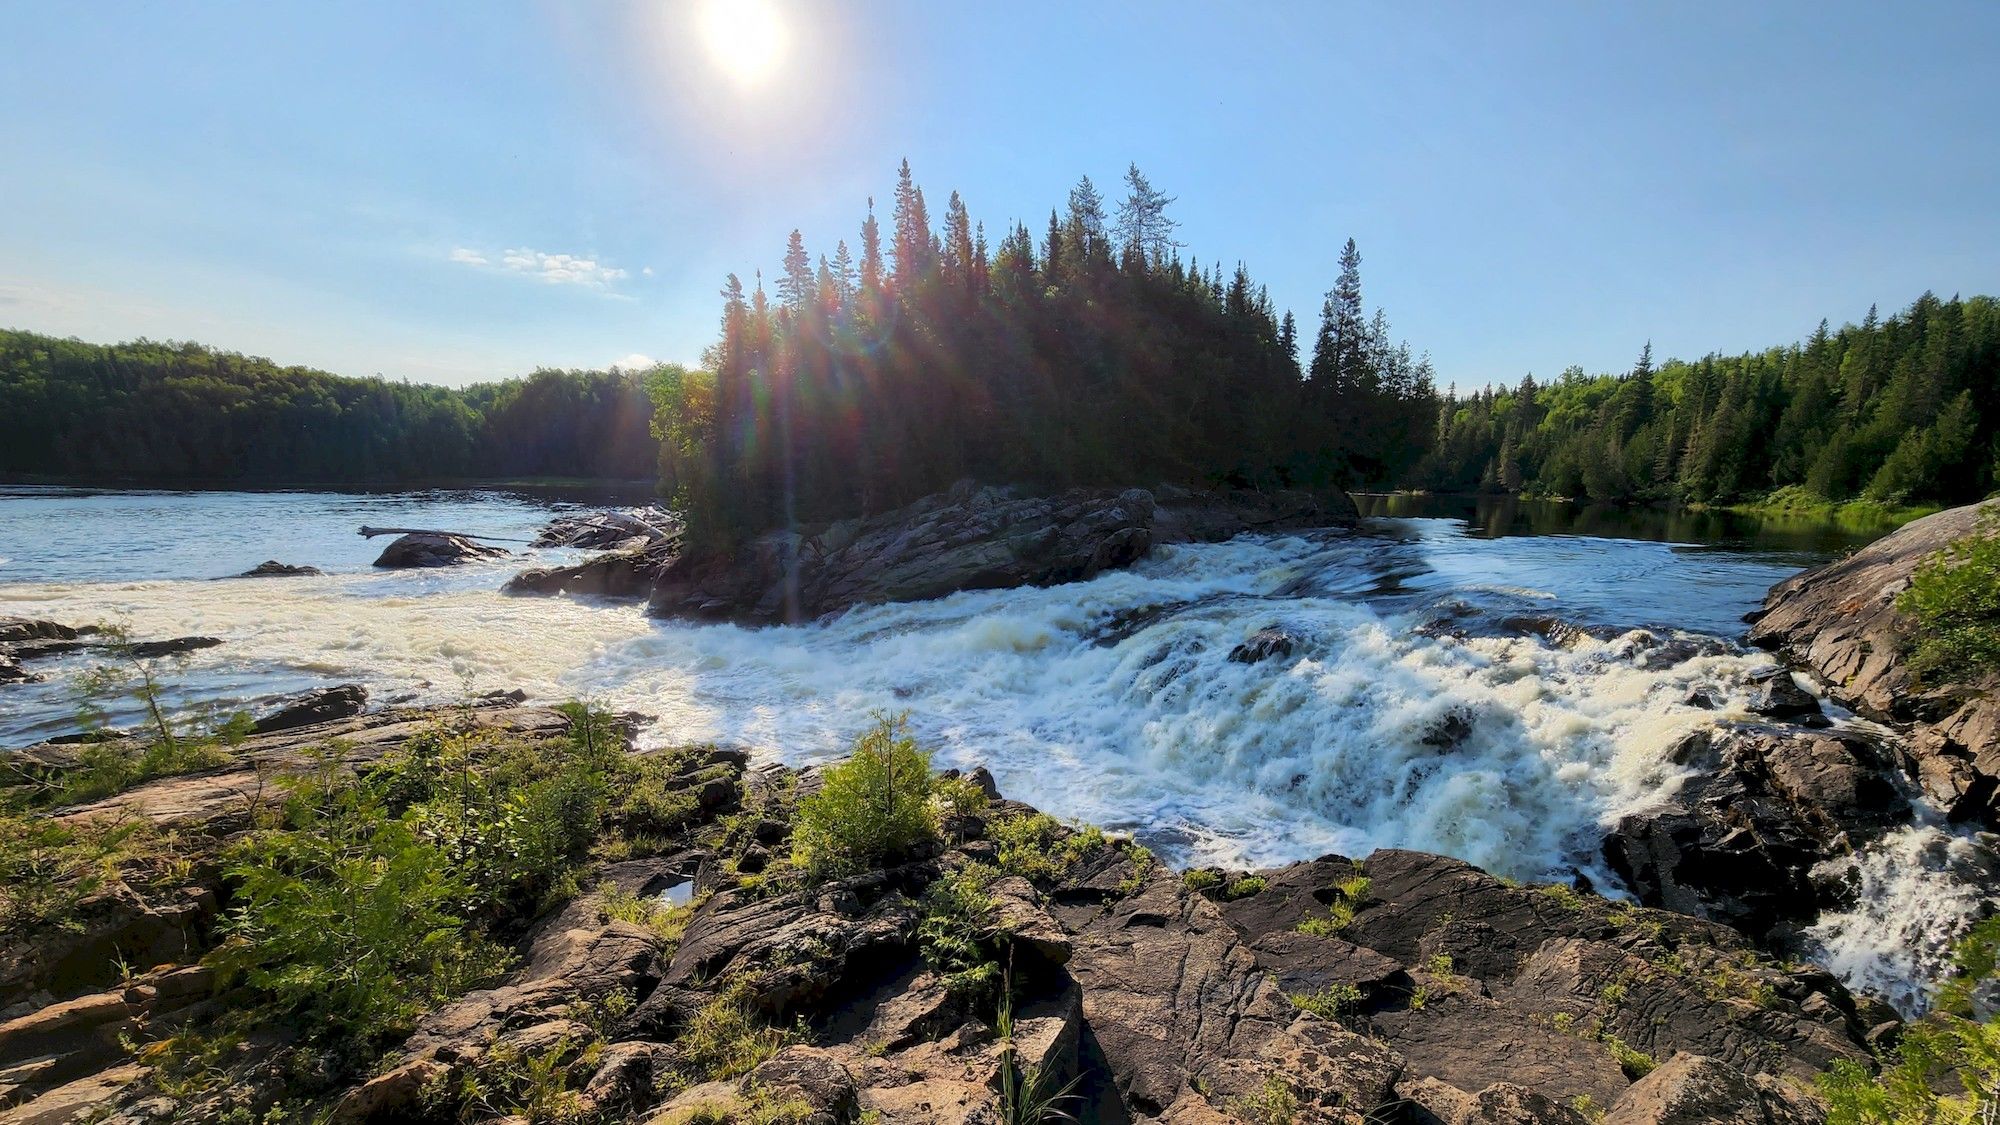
(1916, 891)
(1426, 701)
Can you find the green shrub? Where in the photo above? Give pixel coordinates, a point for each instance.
(48, 868)
(1955, 598)
(1041, 848)
(1201, 879)
(957, 933)
(1244, 887)
(872, 808)
(352, 922)
(1330, 1003)
(1636, 1064)
(1953, 1046)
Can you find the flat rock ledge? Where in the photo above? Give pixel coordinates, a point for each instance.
(1840, 623)
(1409, 988)
(974, 537)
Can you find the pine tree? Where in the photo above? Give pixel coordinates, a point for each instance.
(871, 251)
(1143, 227)
(796, 287)
(911, 247)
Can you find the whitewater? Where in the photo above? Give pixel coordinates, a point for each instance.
(1414, 710)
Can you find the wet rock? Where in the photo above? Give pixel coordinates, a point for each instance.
(1739, 841)
(1263, 645)
(321, 706)
(1840, 622)
(1449, 731)
(970, 538)
(147, 650)
(15, 630)
(13, 673)
(272, 568)
(1779, 696)
(432, 549)
(619, 574)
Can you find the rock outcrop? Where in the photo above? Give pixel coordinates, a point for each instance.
(970, 538)
(433, 549)
(1840, 622)
(1409, 988)
(598, 531)
(29, 639)
(1765, 805)
(628, 573)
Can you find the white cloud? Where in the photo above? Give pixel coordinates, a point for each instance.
(554, 269)
(637, 361)
(648, 271)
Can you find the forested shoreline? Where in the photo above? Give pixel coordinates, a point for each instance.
(1096, 354)
(181, 413)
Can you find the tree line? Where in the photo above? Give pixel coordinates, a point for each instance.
(1097, 354)
(1894, 411)
(154, 411)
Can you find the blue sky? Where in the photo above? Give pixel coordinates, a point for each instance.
(456, 191)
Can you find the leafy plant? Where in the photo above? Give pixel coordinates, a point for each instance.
(724, 1039)
(1330, 1003)
(873, 807)
(1955, 598)
(956, 935)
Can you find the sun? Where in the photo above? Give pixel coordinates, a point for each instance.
(745, 37)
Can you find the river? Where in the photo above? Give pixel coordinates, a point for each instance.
(1111, 701)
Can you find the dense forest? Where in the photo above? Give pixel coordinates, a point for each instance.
(182, 412)
(1097, 355)
(1892, 411)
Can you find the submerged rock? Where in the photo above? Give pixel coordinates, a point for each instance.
(1263, 645)
(971, 538)
(432, 549)
(272, 568)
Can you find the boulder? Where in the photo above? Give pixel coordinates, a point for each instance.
(173, 646)
(1263, 645)
(971, 538)
(12, 672)
(272, 568)
(15, 630)
(617, 574)
(1694, 1090)
(1766, 805)
(321, 706)
(1840, 622)
(433, 549)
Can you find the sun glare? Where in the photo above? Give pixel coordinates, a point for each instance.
(745, 37)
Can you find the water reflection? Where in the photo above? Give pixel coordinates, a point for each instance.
(1496, 517)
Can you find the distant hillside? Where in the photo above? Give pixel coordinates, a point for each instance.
(183, 412)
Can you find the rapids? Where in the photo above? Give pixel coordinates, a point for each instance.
(1407, 715)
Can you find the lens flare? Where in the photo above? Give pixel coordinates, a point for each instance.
(745, 37)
